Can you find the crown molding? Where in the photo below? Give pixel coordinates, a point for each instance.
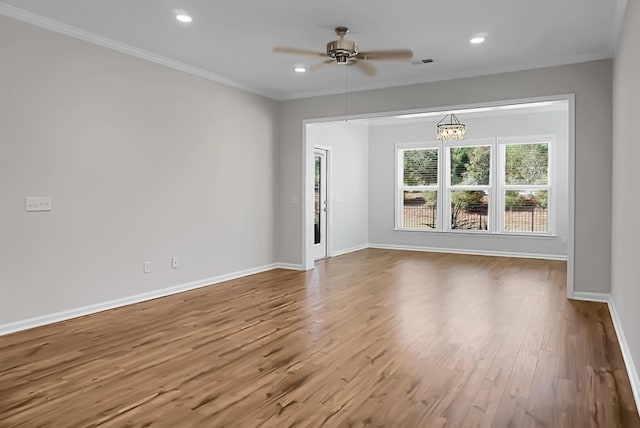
(105, 42)
(89, 37)
(618, 22)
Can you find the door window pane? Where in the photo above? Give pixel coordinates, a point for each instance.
(316, 215)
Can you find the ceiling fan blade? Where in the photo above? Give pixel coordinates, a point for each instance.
(320, 65)
(366, 67)
(296, 51)
(391, 55)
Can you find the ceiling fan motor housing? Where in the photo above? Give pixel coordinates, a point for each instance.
(345, 52)
(342, 50)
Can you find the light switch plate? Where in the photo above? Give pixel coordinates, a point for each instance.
(34, 204)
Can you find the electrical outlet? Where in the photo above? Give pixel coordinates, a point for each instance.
(33, 204)
(257, 247)
(147, 267)
(174, 263)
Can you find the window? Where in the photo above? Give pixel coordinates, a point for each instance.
(525, 185)
(469, 186)
(498, 185)
(419, 187)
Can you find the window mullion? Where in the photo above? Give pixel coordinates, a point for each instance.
(526, 187)
(446, 197)
(418, 188)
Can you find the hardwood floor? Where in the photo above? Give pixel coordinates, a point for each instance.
(375, 338)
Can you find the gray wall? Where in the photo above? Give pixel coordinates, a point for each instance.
(143, 163)
(348, 210)
(591, 82)
(383, 183)
(625, 285)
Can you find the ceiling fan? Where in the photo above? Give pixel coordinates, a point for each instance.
(345, 52)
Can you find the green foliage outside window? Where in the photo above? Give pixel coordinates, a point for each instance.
(421, 167)
(527, 164)
(470, 165)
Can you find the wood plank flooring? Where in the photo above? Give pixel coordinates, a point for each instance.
(371, 339)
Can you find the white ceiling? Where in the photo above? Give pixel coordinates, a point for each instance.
(231, 41)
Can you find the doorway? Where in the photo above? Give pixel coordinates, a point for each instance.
(308, 159)
(320, 208)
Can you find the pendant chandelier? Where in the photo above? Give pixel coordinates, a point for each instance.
(452, 130)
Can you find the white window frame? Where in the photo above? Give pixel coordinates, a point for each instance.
(477, 142)
(549, 187)
(495, 190)
(401, 188)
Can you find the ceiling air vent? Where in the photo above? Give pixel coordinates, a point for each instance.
(422, 61)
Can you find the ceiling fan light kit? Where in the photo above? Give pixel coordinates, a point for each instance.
(343, 51)
(453, 130)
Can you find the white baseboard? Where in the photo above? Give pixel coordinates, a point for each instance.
(469, 252)
(129, 300)
(626, 354)
(590, 297)
(349, 250)
(289, 266)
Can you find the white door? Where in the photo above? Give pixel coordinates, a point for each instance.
(320, 204)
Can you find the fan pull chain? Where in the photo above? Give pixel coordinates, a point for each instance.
(346, 94)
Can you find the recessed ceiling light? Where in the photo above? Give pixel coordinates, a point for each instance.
(477, 40)
(300, 69)
(182, 17)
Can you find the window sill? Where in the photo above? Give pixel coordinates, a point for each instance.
(481, 233)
